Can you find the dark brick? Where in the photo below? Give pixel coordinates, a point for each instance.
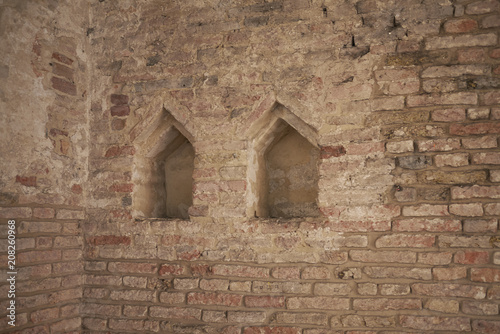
(62, 58)
(332, 151)
(121, 110)
(415, 162)
(63, 86)
(256, 21)
(119, 99)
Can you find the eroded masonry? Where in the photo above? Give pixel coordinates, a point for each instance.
(251, 166)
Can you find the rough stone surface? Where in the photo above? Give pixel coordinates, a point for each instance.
(342, 174)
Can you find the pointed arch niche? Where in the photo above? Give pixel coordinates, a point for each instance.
(163, 174)
(283, 168)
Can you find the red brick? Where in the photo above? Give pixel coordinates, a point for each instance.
(485, 275)
(122, 187)
(62, 58)
(63, 71)
(386, 304)
(460, 25)
(495, 53)
(272, 330)
(491, 98)
(383, 256)
(435, 323)
(121, 110)
(240, 271)
(118, 124)
(45, 314)
(63, 86)
(132, 267)
(486, 326)
(172, 270)
(39, 256)
(448, 115)
(221, 299)
(471, 257)
(119, 151)
(110, 240)
(326, 303)
(332, 151)
(405, 240)
(474, 129)
(174, 313)
(28, 181)
(467, 210)
(489, 158)
(265, 301)
(471, 55)
(119, 99)
(448, 274)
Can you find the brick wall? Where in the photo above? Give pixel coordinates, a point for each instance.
(43, 163)
(401, 99)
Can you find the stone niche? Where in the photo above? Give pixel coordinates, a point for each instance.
(283, 172)
(163, 175)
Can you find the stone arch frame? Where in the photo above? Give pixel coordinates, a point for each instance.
(263, 133)
(161, 138)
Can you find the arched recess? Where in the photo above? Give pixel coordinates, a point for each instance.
(163, 175)
(283, 166)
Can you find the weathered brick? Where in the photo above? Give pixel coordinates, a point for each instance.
(464, 241)
(438, 145)
(133, 295)
(119, 99)
(398, 272)
(316, 273)
(478, 113)
(471, 257)
(240, 271)
(272, 330)
(331, 289)
(452, 160)
(443, 305)
(64, 86)
(405, 240)
(175, 313)
(426, 210)
(394, 289)
(488, 275)
(445, 42)
(286, 273)
(302, 318)
(388, 103)
(265, 301)
(185, 283)
(214, 316)
(131, 267)
(455, 71)
(385, 304)
(452, 177)
(482, 7)
(490, 158)
(199, 298)
(327, 303)
(474, 129)
(383, 256)
(480, 225)
(492, 21)
(28, 181)
(173, 297)
(434, 258)
(101, 309)
(430, 225)
(43, 213)
(479, 308)
(172, 270)
(475, 191)
(468, 210)
(481, 142)
(448, 274)
(448, 115)
(460, 25)
(486, 326)
(11, 213)
(414, 162)
(120, 110)
(435, 323)
(400, 146)
(367, 289)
